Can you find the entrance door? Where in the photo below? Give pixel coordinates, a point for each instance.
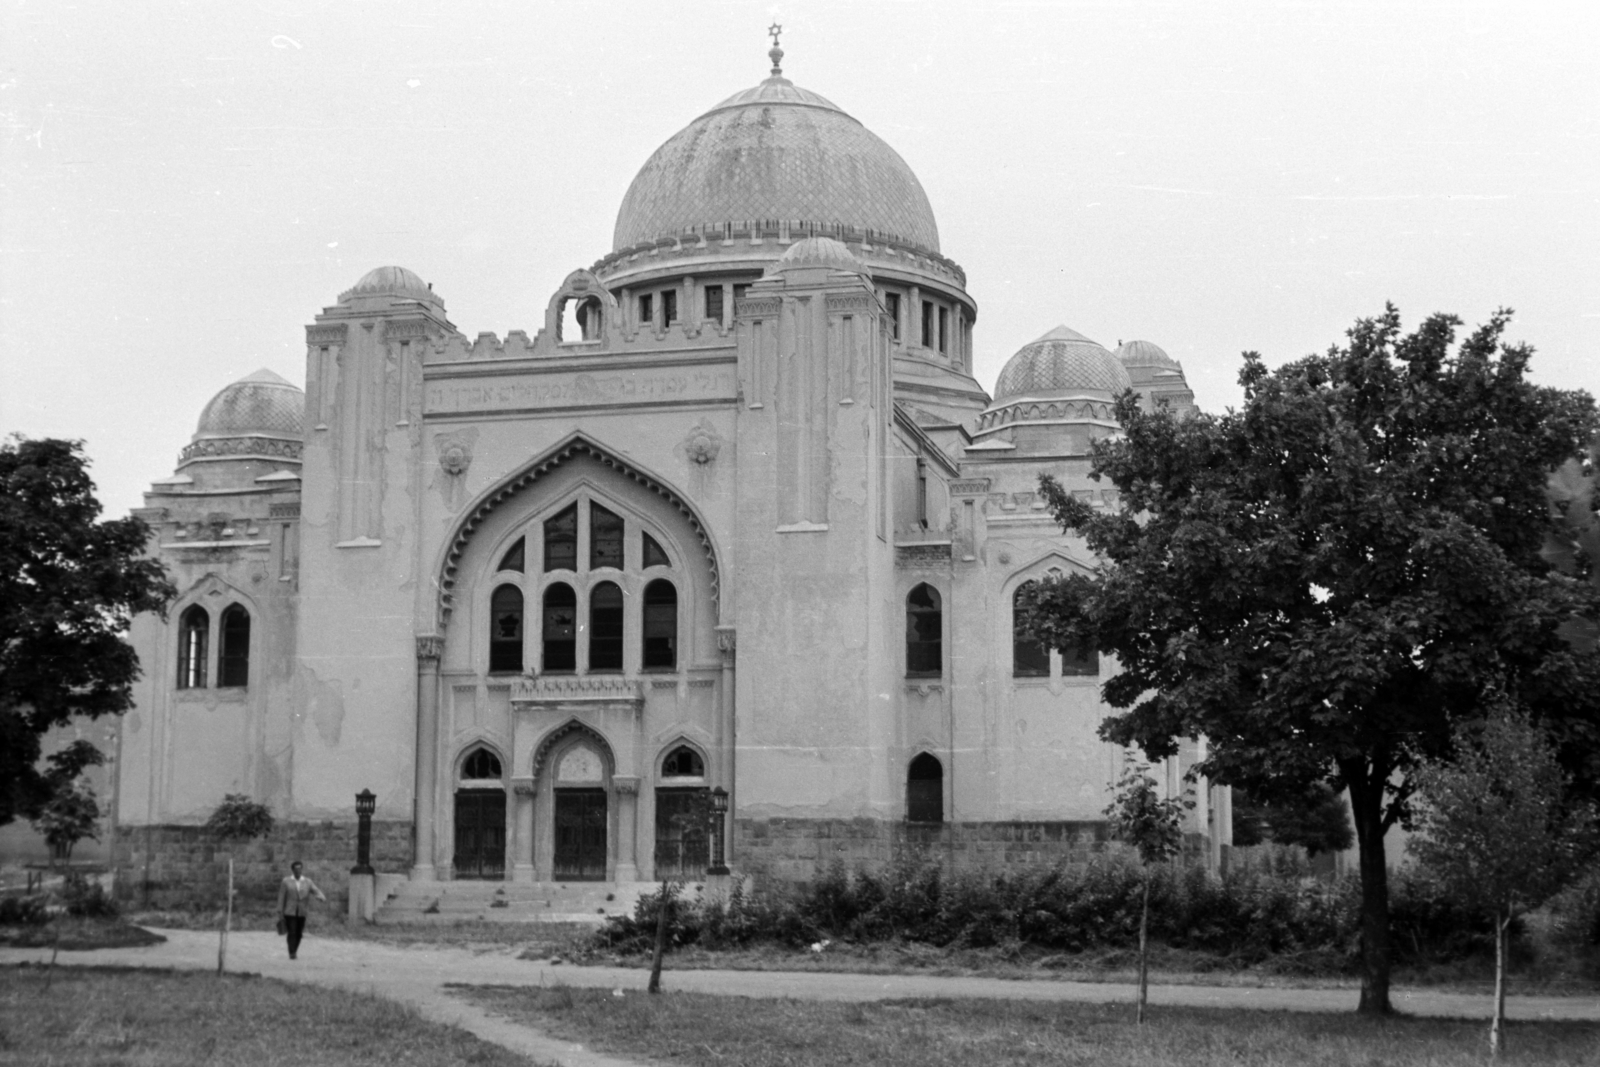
(682, 833)
(580, 819)
(480, 833)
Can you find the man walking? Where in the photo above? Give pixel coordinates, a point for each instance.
(294, 895)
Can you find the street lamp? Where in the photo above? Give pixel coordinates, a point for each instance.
(719, 816)
(366, 804)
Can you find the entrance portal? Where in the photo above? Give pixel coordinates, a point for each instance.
(580, 838)
(480, 833)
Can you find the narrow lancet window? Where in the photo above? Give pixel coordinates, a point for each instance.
(605, 538)
(505, 629)
(660, 625)
(561, 540)
(560, 628)
(924, 632)
(233, 666)
(194, 630)
(605, 627)
(1029, 658)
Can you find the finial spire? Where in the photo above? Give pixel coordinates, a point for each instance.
(776, 53)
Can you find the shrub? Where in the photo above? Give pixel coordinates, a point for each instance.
(23, 911)
(239, 818)
(87, 899)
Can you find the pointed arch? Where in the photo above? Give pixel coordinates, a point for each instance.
(576, 444)
(572, 728)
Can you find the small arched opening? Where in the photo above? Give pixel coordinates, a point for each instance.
(925, 789)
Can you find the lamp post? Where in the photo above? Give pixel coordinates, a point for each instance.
(719, 816)
(366, 804)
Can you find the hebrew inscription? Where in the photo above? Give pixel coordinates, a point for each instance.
(571, 389)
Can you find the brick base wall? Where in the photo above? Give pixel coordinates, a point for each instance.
(794, 850)
(181, 866)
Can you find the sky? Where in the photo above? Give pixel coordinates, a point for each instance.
(183, 186)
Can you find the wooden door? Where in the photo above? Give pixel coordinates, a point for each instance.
(683, 839)
(480, 833)
(580, 818)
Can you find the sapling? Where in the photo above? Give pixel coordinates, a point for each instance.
(1140, 816)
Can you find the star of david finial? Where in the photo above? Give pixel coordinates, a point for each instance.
(776, 53)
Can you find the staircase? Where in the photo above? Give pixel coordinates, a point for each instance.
(509, 902)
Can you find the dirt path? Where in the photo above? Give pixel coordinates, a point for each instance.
(419, 975)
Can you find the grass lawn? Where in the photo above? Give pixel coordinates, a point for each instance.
(71, 934)
(67, 1017)
(692, 1028)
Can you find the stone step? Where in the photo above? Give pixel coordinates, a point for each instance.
(512, 902)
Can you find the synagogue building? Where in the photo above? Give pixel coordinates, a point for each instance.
(713, 567)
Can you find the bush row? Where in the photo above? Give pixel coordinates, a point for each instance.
(1248, 916)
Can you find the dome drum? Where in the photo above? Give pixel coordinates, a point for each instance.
(261, 416)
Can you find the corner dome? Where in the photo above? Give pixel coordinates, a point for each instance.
(775, 152)
(1145, 354)
(818, 252)
(392, 282)
(260, 405)
(1062, 363)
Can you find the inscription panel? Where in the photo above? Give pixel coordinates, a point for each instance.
(570, 389)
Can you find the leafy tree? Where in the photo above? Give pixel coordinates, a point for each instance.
(1326, 581)
(1498, 830)
(1141, 817)
(69, 586)
(1316, 820)
(71, 814)
(238, 818)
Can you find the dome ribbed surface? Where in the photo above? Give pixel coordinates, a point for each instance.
(1061, 363)
(1145, 354)
(261, 405)
(819, 252)
(775, 152)
(390, 281)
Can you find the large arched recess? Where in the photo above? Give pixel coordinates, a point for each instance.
(523, 484)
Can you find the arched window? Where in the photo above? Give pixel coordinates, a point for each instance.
(480, 765)
(233, 666)
(605, 538)
(925, 789)
(1029, 658)
(605, 627)
(194, 630)
(1080, 663)
(560, 628)
(505, 629)
(683, 762)
(924, 630)
(513, 559)
(561, 540)
(660, 625)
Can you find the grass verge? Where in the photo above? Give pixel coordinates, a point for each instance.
(77, 1017)
(78, 934)
(698, 1029)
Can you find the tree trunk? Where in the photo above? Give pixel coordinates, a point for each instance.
(227, 920)
(1366, 808)
(1144, 949)
(1497, 1026)
(664, 905)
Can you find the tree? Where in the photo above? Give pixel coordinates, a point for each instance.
(1325, 581)
(69, 586)
(1141, 817)
(1316, 820)
(71, 814)
(237, 818)
(1498, 830)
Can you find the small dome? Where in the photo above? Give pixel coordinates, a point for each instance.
(390, 281)
(819, 252)
(1062, 363)
(1145, 354)
(261, 405)
(775, 152)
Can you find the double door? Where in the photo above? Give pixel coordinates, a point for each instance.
(580, 837)
(480, 833)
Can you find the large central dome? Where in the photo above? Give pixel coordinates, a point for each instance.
(775, 152)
